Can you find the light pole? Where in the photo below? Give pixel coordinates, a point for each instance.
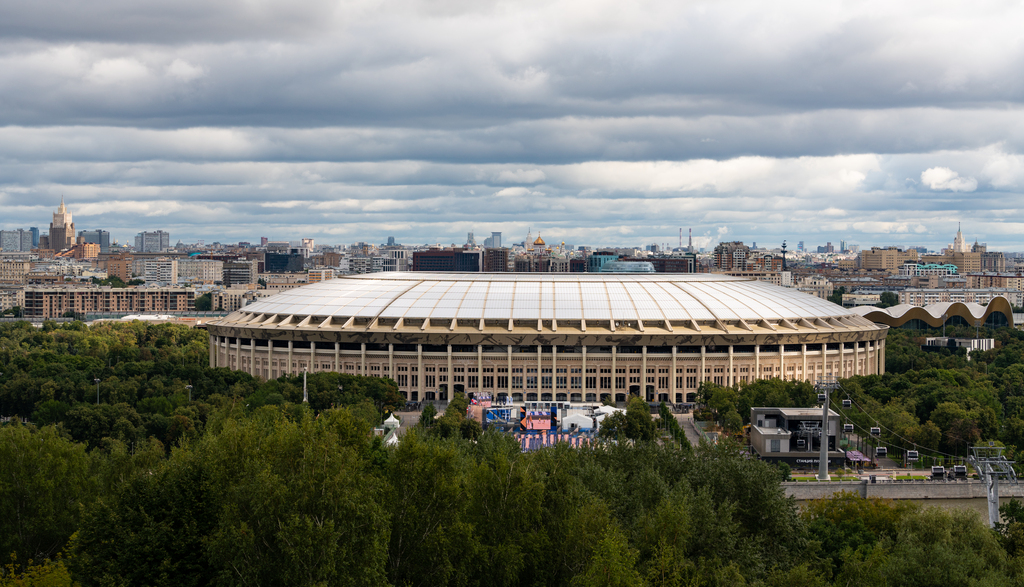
(97, 382)
(189, 388)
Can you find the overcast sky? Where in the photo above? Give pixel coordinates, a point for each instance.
(593, 122)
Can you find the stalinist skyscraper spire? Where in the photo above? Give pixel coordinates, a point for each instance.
(62, 229)
(959, 244)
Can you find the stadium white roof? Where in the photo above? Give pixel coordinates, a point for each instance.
(547, 296)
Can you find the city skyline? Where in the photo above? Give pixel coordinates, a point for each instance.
(700, 242)
(612, 124)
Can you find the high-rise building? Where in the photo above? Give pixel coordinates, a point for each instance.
(731, 256)
(62, 229)
(164, 271)
(121, 266)
(263, 241)
(888, 259)
(200, 270)
(596, 261)
(471, 240)
(495, 260)
(283, 262)
(35, 237)
(99, 237)
(493, 241)
(959, 244)
(15, 240)
(240, 272)
(151, 242)
(391, 241)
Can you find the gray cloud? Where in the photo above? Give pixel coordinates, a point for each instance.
(604, 122)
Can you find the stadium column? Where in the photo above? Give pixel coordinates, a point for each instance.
(270, 357)
(509, 378)
(757, 362)
(362, 358)
(291, 348)
(391, 362)
(672, 378)
(881, 356)
(583, 370)
(703, 373)
(729, 378)
(213, 351)
(540, 371)
(614, 376)
(643, 372)
(337, 357)
(554, 371)
(451, 376)
(803, 358)
(238, 354)
(856, 357)
(479, 368)
(782, 361)
(842, 360)
(312, 356)
(252, 357)
(419, 370)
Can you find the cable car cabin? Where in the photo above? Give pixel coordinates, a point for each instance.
(881, 452)
(876, 431)
(847, 428)
(938, 472)
(822, 397)
(960, 471)
(847, 403)
(911, 456)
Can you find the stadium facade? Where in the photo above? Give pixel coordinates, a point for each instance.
(549, 337)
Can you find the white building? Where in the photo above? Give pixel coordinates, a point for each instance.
(152, 242)
(200, 270)
(19, 240)
(160, 271)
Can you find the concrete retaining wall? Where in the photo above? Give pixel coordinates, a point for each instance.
(899, 489)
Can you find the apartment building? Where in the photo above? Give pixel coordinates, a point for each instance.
(43, 303)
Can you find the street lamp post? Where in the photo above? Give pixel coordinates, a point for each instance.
(189, 388)
(97, 382)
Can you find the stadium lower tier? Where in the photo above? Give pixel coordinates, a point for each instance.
(579, 373)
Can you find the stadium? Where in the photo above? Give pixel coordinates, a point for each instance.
(523, 337)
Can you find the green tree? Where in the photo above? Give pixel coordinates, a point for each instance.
(633, 424)
(204, 303)
(427, 416)
(887, 299)
(836, 297)
(44, 480)
(431, 543)
(613, 563)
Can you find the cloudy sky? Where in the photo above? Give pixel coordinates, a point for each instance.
(598, 122)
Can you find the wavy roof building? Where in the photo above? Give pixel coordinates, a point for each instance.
(549, 337)
(997, 313)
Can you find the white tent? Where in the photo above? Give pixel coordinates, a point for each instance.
(391, 422)
(578, 422)
(607, 410)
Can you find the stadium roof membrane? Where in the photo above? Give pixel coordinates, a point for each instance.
(531, 296)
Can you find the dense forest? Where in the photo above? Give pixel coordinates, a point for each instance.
(186, 475)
